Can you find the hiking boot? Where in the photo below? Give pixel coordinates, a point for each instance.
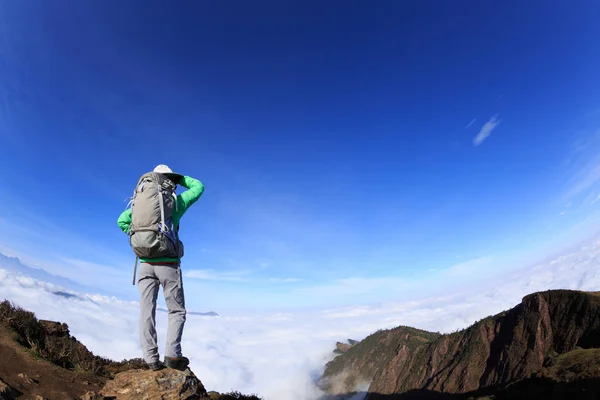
(178, 363)
(156, 366)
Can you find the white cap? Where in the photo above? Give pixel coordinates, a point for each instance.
(163, 169)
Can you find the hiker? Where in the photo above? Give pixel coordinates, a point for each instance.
(152, 224)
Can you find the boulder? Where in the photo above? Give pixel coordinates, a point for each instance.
(341, 348)
(90, 396)
(26, 380)
(166, 384)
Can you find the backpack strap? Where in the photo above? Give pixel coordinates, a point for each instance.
(163, 225)
(135, 269)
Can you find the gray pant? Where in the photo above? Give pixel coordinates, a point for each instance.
(169, 277)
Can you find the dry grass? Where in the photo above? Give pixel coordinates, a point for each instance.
(576, 364)
(51, 341)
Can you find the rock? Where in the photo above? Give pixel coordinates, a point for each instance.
(26, 379)
(38, 397)
(90, 396)
(166, 384)
(341, 348)
(53, 328)
(6, 392)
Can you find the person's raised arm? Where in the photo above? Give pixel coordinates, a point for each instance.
(190, 196)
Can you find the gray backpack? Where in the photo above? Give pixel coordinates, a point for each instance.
(151, 233)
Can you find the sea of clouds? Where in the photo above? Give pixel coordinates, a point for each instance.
(279, 356)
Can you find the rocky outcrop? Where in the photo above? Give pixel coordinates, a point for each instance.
(357, 366)
(56, 329)
(341, 348)
(166, 384)
(90, 396)
(492, 353)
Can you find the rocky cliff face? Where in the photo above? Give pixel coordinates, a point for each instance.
(494, 352)
(167, 384)
(359, 362)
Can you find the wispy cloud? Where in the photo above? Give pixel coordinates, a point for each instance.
(471, 123)
(584, 181)
(355, 287)
(583, 166)
(224, 276)
(468, 267)
(26, 235)
(486, 130)
(245, 276)
(285, 280)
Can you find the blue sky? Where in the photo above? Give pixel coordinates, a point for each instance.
(351, 152)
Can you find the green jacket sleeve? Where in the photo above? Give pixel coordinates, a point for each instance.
(190, 196)
(124, 220)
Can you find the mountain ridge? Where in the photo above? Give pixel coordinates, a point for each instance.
(15, 265)
(496, 351)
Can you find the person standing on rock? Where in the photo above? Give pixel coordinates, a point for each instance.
(152, 224)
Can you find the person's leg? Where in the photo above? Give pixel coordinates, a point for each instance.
(148, 286)
(171, 281)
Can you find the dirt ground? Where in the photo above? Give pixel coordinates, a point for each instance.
(33, 377)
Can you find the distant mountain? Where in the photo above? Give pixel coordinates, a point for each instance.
(65, 295)
(546, 343)
(204, 314)
(13, 264)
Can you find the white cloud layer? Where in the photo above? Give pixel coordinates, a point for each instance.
(279, 355)
(486, 130)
